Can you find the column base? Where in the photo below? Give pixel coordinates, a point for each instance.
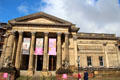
(45, 70)
(30, 72)
(45, 73)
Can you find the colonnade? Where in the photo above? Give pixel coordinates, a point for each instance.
(45, 54)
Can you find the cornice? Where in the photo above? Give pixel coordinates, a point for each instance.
(97, 36)
(38, 24)
(73, 28)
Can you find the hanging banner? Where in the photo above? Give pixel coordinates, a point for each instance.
(39, 46)
(52, 46)
(26, 46)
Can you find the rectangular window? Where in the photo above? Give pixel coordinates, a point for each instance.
(89, 61)
(101, 60)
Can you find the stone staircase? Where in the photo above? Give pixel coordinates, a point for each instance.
(41, 75)
(37, 78)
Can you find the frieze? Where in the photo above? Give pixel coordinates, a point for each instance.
(90, 52)
(111, 52)
(88, 47)
(94, 42)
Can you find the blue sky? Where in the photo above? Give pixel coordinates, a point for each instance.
(96, 16)
(9, 8)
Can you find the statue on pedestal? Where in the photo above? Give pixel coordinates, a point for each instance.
(7, 63)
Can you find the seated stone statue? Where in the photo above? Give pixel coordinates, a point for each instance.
(7, 62)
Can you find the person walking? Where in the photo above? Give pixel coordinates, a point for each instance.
(85, 75)
(79, 76)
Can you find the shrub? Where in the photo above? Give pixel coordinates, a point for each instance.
(64, 71)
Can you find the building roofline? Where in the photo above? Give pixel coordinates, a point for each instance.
(103, 36)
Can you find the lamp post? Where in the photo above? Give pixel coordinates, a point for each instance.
(78, 61)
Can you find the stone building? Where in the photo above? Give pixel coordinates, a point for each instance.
(41, 42)
(3, 27)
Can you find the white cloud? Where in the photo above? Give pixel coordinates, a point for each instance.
(23, 9)
(103, 17)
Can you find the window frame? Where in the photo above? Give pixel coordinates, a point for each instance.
(89, 61)
(101, 61)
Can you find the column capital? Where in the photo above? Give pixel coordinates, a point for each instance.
(75, 37)
(59, 33)
(66, 33)
(116, 44)
(46, 33)
(20, 32)
(6, 35)
(12, 32)
(33, 33)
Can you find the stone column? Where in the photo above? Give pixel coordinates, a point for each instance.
(59, 51)
(106, 55)
(4, 45)
(45, 56)
(18, 52)
(14, 52)
(30, 67)
(9, 47)
(75, 50)
(3, 51)
(66, 47)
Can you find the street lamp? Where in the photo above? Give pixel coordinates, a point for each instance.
(78, 61)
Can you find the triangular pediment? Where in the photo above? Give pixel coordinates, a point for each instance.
(40, 18)
(42, 21)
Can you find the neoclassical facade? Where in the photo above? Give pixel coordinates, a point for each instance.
(42, 42)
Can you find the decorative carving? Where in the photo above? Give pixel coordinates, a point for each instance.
(65, 64)
(75, 37)
(111, 49)
(7, 63)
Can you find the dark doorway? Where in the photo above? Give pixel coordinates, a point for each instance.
(52, 63)
(39, 62)
(24, 62)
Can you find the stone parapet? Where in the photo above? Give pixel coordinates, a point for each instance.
(96, 36)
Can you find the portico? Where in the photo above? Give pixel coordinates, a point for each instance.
(27, 31)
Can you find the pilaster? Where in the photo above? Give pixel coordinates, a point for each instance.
(106, 55)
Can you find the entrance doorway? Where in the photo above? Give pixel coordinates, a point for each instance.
(24, 62)
(39, 62)
(52, 63)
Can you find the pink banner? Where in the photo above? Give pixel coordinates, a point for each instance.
(52, 46)
(39, 46)
(5, 75)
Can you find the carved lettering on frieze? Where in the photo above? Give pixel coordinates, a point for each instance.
(95, 42)
(89, 48)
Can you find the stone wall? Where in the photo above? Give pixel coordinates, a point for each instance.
(96, 48)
